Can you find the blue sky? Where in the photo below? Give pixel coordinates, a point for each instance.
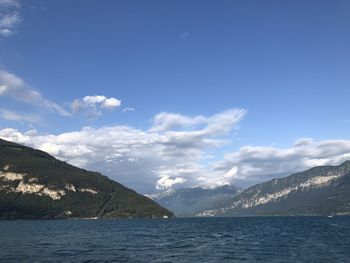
(283, 65)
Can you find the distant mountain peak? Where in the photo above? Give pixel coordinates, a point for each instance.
(187, 201)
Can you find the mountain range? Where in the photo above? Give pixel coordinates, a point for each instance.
(323, 190)
(35, 185)
(187, 202)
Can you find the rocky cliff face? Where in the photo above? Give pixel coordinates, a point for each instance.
(319, 191)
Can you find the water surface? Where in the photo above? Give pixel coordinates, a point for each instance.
(252, 239)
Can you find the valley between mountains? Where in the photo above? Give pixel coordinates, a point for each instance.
(35, 185)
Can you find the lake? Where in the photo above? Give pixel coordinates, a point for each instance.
(241, 239)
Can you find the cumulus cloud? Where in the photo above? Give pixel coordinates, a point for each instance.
(19, 117)
(92, 106)
(142, 159)
(166, 182)
(252, 164)
(9, 17)
(15, 88)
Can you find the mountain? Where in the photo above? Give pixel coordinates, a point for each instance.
(186, 202)
(323, 190)
(35, 185)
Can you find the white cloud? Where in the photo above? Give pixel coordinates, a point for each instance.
(256, 163)
(9, 17)
(111, 103)
(220, 123)
(166, 182)
(92, 106)
(141, 159)
(232, 172)
(167, 121)
(19, 117)
(128, 109)
(176, 151)
(15, 88)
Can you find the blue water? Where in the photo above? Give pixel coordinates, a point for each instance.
(254, 239)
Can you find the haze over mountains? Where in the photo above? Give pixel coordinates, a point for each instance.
(185, 202)
(35, 185)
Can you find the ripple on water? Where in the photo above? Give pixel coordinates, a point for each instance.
(265, 239)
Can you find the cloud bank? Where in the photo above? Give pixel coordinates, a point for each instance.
(160, 157)
(177, 151)
(252, 164)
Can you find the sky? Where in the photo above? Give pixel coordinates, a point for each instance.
(166, 94)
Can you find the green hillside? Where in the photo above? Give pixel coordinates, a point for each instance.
(33, 185)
